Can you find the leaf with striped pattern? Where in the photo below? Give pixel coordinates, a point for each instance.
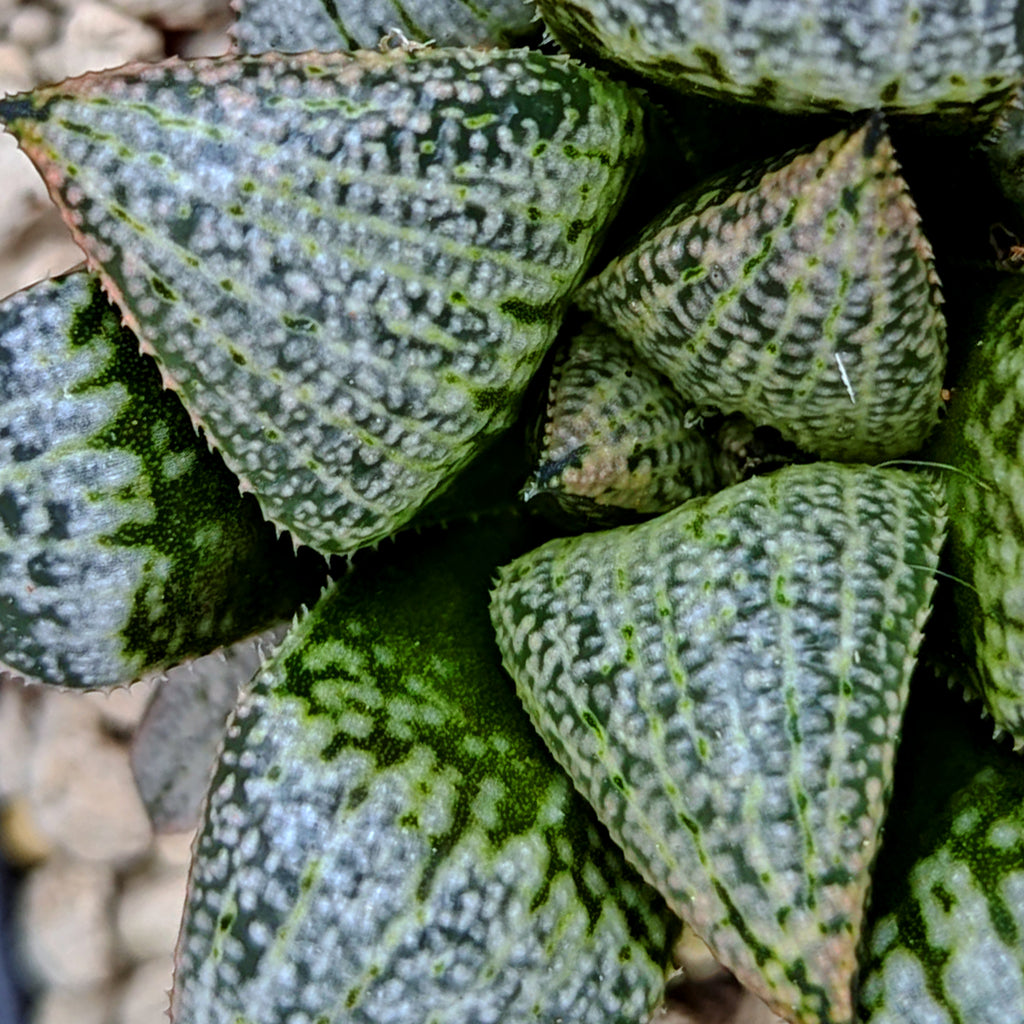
(803, 297)
(350, 265)
(983, 441)
(125, 546)
(295, 26)
(387, 840)
(963, 61)
(725, 684)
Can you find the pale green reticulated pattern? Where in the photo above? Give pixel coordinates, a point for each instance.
(952, 952)
(725, 684)
(806, 300)
(614, 437)
(350, 265)
(387, 840)
(295, 26)
(983, 440)
(124, 543)
(913, 56)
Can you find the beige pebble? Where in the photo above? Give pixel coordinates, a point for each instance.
(94, 1005)
(145, 997)
(45, 250)
(694, 958)
(211, 42)
(174, 849)
(64, 919)
(15, 68)
(31, 27)
(15, 738)
(82, 786)
(122, 709)
(24, 196)
(149, 913)
(174, 14)
(96, 36)
(22, 842)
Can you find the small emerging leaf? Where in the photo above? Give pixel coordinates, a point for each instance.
(614, 437)
(387, 840)
(350, 265)
(124, 543)
(725, 685)
(804, 297)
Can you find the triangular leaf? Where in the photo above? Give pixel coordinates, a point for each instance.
(805, 300)
(981, 442)
(350, 265)
(725, 685)
(124, 543)
(614, 440)
(387, 840)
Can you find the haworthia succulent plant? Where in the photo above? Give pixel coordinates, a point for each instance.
(931, 56)
(804, 298)
(614, 437)
(387, 840)
(725, 685)
(350, 265)
(952, 950)
(124, 543)
(982, 441)
(295, 26)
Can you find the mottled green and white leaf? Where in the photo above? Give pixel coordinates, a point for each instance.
(982, 441)
(725, 684)
(803, 297)
(296, 26)
(124, 543)
(613, 438)
(908, 56)
(350, 265)
(952, 949)
(387, 840)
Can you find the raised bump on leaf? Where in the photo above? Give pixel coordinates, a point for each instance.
(387, 840)
(124, 544)
(350, 265)
(804, 298)
(725, 685)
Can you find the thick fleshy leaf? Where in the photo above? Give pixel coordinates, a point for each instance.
(350, 265)
(614, 439)
(983, 441)
(953, 947)
(725, 685)
(387, 840)
(296, 26)
(124, 543)
(805, 299)
(935, 56)
(175, 747)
